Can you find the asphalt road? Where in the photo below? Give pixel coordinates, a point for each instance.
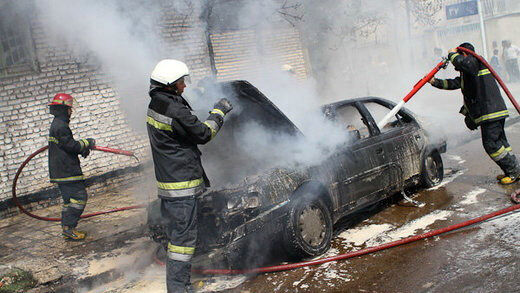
(479, 258)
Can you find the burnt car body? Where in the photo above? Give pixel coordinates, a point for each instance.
(293, 210)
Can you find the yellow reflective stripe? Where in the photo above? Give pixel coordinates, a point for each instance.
(68, 103)
(53, 139)
(454, 56)
(444, 84)
(509, 149)
(82, 202)
(84, 143)
(157, 124)
(484, 72)
(498, 153)
(180, 185)
(492, 116)
(218, 111)
(68, 178)
(213, 131)
(181, 249)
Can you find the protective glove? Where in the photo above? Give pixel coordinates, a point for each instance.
(85, 153)
(470, 124)
(91, 143)
(223, 105)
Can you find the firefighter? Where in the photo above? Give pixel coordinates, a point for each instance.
(64, 167)
(484, 107)
(174, 134)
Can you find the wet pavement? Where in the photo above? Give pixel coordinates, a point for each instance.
(479, 258)
(59, 265)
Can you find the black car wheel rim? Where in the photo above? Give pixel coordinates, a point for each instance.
(432, 169)
(312, 226)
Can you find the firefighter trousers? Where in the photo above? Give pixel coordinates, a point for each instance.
(497, 147)
(181, 214)
(74, 195)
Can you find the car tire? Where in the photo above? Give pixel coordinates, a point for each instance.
(309, 229)
(432, 169)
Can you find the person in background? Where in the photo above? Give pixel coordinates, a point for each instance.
(484, 107)
(511, 53)
(495, 62)
(64, 166)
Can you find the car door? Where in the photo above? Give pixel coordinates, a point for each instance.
(361, 174)
(403, 141)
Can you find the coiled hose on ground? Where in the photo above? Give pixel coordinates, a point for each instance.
(84, 216)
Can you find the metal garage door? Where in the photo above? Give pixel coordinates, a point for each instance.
(239, 54)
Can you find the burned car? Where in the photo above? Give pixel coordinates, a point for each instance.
(263, 210)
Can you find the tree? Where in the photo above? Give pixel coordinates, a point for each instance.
(425, 12)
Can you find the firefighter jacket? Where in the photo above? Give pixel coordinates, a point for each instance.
(482, 99)
(174, 134)
(64, 150)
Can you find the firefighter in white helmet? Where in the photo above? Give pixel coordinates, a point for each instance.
(174, 134)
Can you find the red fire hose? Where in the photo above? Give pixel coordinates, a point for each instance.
(502, 84)
(98, 148)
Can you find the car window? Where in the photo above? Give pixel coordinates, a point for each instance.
(352, 121)
(379, 111)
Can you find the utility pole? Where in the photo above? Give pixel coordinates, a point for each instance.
(482, 28)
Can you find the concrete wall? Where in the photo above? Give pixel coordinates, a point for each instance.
(25, 120)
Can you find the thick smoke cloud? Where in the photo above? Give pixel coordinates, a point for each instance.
(118, 36)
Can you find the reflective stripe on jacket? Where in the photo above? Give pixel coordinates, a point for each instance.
(64, 163)
(174, 134)
(482, 97)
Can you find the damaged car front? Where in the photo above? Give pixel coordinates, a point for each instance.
(247, 210)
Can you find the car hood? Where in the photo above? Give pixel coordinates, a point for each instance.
(234, 153)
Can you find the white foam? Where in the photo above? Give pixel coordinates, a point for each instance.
(217, 284)
(456, 158)
(358, 236)
(410, 228)
(471, 197)
(448, 180)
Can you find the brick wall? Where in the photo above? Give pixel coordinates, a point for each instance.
(24, 113)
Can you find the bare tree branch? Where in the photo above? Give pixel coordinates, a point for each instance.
(425, 12)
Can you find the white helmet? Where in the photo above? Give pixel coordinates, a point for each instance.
(168, 71)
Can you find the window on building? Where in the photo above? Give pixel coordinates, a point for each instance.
(16, 45)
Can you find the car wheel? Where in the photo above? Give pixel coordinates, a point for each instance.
(309, 229)
(432, 169)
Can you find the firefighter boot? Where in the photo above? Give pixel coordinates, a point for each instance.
(506, 180)
(511, 177)
(72, 234)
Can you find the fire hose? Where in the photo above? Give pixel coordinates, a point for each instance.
(97, 148)
(434, 71)
(286, 267)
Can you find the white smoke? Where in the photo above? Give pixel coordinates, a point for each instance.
(118, 36)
